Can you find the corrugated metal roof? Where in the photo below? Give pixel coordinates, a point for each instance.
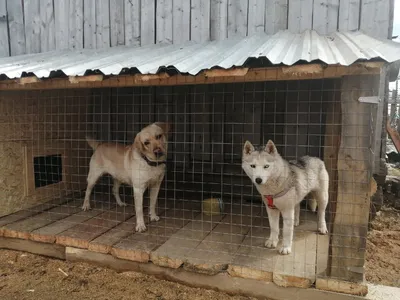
(287, 48)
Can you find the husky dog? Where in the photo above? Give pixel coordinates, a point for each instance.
(283, 185)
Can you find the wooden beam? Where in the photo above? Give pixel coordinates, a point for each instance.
(355, 162)
(207, 77)
(28, 80)
(226, 73)
(383, 94)
(89, 78)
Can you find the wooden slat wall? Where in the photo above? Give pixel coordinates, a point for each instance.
(31, 26)
(4, 46)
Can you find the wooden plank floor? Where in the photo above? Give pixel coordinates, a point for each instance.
(184, 237)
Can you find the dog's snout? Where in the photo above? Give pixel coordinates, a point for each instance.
(258, 180)
(158, 152)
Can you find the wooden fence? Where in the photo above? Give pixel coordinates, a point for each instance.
(32, 26)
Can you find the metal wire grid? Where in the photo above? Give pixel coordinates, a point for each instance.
(210, 125)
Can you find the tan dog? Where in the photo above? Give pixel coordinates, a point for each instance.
(140, 165)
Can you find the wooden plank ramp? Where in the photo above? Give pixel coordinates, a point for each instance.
(219, 233)
(138, 246)
(104, 242)
(48, 233)
(253, 260)
(28, 212)
(218, 249)
(23, 228)
(80, 235)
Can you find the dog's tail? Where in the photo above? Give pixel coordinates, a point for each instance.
(92, 142)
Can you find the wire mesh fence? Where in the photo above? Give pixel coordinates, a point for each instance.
(212, 217)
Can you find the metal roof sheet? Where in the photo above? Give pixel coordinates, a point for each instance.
(284, 47)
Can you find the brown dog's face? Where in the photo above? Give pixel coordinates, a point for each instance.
(152, 141)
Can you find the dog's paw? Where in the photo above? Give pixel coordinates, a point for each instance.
(154, 218)
(86, 206)
(140, 227)
(285, 250)
(271, 243)
(121, 203)
(296, 223)
(323, 230)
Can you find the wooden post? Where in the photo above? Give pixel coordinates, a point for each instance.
(355, 162)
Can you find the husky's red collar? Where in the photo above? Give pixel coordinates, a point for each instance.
(269, 199)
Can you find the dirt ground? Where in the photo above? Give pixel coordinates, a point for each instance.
(28, 276)
(383, 249)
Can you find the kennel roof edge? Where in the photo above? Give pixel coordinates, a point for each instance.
(284, 47)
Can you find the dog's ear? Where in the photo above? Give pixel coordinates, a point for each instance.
(248, 148)
(165, 126)
(270, 148)
(138, 143)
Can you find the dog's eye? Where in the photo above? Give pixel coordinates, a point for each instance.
(253, 166)
(158, 136)
(146, 143)
(266, 166)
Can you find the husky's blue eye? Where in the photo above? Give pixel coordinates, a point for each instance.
(266, 166)
(253, 166)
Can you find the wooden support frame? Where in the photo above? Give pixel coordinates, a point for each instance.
(355, 166)
(297, 72)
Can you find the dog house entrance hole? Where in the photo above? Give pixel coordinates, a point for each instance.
(47, 169)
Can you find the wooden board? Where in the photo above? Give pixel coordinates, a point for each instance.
(180, 21)
(75, 27)
(374, 18)
(218, 17)
(47, 234)
(276, 15)
(132, 22)
(16, 27)
(102, 24)
(4, 38)
(61, 13)
(325, 16)
(26, 213)
(253, 260)
(256, 21)
(200, 20)
(147, 24)
(79, 236)
(299, 72)
(174, 252)
(164, 34)
(237, 18)
(117, 23)
(32, 25)
(349, 15)
(104, 242)
(89, 25)
(138, 246)
(47, 29)
(302, 19)
(218, 248)
(355, 162)
(23, 228)
(53, 250)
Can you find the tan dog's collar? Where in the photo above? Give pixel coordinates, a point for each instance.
(152, 163)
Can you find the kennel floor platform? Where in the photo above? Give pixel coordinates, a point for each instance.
(183, 238)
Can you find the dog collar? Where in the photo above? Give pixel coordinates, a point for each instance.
(269, 199)
(153, 163)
